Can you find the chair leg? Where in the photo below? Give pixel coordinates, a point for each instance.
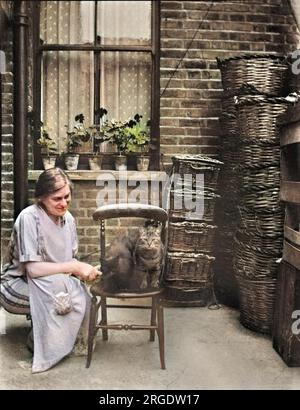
(153, 317)
(92, 331)
(160, 334)
(104, 317)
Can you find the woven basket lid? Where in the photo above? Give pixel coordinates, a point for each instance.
(223, 61)
(241, 100)
(197, 158)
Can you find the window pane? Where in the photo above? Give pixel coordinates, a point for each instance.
(125, 87)
(67, 90)
(67, 22)
(124, 22)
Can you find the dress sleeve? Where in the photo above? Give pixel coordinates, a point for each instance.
(26, 230)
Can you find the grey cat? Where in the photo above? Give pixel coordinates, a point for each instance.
(134, 261)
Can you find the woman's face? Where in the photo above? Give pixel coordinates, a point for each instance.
(56, 204)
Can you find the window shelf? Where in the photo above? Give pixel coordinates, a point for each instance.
(86, 175)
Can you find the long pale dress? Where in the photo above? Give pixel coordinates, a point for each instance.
(37, 238)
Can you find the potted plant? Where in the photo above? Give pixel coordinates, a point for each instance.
(95, 159)
(79, 141)
(71, 157)
(139, 139)
(49, 149)
(100, 141)
(115, 131)
(83, 134)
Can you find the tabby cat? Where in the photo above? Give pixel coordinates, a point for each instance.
(134, 261)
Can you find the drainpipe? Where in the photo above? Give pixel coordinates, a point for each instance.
(20, 61)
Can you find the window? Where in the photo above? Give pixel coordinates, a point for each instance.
(92, 54)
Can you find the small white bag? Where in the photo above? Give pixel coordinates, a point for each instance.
(63, 303)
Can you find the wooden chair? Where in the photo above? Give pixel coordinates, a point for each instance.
(15, 309)
(18, 309)
(156, 307)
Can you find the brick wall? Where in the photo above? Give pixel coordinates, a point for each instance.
(7, 185)
(190, 106)
(7, 205)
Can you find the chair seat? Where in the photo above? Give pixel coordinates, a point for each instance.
(97, 290)
(16, 310)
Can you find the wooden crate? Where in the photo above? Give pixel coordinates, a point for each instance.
(285, 340)
(291, 244)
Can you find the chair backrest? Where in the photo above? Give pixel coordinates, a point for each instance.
(129, 210)
(133, 210)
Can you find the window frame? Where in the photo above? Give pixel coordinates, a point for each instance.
(153, 49)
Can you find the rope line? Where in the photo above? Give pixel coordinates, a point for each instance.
(188, 47)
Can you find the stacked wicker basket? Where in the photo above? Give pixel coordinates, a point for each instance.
(256, 83)
(188, 275)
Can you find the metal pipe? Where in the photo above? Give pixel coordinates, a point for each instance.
(20, 62)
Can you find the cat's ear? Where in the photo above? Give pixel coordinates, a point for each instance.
(142, 231)
(159, 229)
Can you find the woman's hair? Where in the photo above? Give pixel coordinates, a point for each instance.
(50, 181)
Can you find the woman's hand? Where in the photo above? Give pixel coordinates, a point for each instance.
(85, 271)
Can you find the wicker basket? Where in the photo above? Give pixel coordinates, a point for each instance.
(258, 118)
(257, 179)
(254, 265)
(188, 297)
(188, 269)
(191, 237)
(198, 164)
(190, 182)
(262, 224)
(229, 107)
(228, 124)
(266, 72)
(179, 200)
(257, 303)
(262, 244)
(263, 201)
(257, 155)
(228, 117)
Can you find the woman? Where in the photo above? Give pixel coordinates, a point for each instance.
(42, 270)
